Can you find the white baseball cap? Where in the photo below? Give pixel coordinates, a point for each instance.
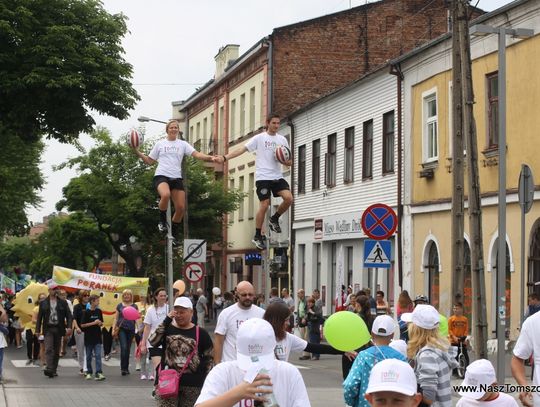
(255, 339)
(424, 315)
(383, 326)
(392, 375)
(478, 373)
(183, 302)
(400, 345)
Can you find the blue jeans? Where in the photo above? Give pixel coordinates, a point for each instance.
(1, 361)
(125, 337)
(96, 349)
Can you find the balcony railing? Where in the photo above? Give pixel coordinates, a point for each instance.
(209, 146)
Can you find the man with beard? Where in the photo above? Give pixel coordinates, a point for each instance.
(230, 320)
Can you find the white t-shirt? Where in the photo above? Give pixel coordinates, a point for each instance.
(155, 316)
(228, 323)
(291, 343)
(528, 344)
(267, 168)
(504, 400)
(287, 384)
(169, 155)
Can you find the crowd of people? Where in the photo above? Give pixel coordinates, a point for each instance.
(247, 360)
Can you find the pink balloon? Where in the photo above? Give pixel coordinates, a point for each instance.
(130, 313)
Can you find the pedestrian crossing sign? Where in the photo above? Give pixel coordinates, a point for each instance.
(377, 253)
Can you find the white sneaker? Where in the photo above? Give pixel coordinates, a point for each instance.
(143, 377)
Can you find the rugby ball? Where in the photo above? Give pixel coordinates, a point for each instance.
(134, 138)
(282, 154)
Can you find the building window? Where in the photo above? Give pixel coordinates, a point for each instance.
(367, 153)
(301, 265)
(242, 114)
(493, 110)
(233, 134)
(221, 121)
(349, 266)
(241, 206)
(252, 109)
(349, 155)
(231, 187)
(330, 167)
(431, 145)
(302, 169)
(251, 196)
(432, 269)
(316, 165)
(388, 142)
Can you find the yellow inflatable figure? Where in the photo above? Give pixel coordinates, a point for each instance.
(107, 304)
(24, 302)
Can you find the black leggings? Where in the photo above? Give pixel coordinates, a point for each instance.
(32, 345)
(107, 340)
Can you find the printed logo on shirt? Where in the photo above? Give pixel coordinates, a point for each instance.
(280, 352)
(239, 322)
(270, 145)
(247, 403)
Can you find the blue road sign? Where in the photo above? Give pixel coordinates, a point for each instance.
(377, 253)
(379, 221)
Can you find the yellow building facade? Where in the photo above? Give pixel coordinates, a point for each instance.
(428, 122)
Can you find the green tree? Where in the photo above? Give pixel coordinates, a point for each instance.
(60, 60)
(73, 241)
(20, 181)
(115, 188)
(16, 252)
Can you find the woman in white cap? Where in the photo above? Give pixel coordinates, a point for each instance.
(392, 383)
(256, 375)
(429, 352)
(186, 348)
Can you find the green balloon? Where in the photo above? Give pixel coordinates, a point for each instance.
(346, 331)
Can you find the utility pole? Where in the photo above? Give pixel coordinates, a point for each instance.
(475, 208)
(458, 178)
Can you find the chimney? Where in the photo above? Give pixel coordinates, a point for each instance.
(226, 54)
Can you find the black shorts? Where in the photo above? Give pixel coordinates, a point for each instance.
(265, 187)
(174, 183)
(155, 352)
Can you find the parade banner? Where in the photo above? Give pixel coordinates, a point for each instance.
(82, 280)
(6, 282)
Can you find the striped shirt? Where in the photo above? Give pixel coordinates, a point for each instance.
(433, 373)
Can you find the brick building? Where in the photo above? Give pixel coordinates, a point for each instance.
(295, 65)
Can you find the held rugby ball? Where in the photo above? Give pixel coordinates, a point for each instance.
(282, 154)
(134, 138)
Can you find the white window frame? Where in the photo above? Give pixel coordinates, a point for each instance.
(427, 97)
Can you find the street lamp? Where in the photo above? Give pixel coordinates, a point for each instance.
(147, 119)
(483, 30)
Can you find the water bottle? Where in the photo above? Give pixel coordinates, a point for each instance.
(270, 397)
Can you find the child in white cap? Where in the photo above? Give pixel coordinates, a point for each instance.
(255, 374)
(392, 382)
(430, 352)
(479, 387)
(356, 383)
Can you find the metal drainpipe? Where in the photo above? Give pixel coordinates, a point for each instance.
(270, 74)
(396, 70)
(292, 233)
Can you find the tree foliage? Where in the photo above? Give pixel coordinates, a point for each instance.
(73, 241)
(60, 60)
(20, 181)
(115, 188)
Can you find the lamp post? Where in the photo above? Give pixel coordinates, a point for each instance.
(147, 119)
(482, 30)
